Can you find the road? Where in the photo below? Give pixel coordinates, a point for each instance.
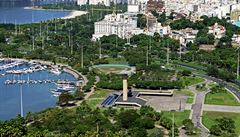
(227, 85)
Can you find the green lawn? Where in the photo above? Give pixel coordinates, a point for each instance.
(210, 116)
(191, 64)
(191, 80)
(221, 98)
(93, 103)
(178, 116)
(188, 93)
(100, 93)
(212, 84)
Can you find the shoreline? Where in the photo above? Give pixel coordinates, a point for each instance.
(73, 13)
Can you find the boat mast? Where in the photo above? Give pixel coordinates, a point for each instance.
(21, 100)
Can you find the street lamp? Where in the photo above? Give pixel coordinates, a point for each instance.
(173, 111)
(238, 63)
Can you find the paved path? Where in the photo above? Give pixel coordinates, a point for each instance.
(221, 108)
(92, 89)
(197, 110)
(89, 93)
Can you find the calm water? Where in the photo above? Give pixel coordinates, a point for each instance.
(36, 97)
(15, 12)
(24, 16)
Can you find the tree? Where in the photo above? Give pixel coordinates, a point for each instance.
(64, 99)
(171, 16)
(141, 21)
(127, 118)
(13, 128)
(224, 125)
(189, 127)
(2, 38)
(145, 122)
(157, 133)
(186, 73)
(162, 17)
(138, 132)
(216, 130)
(79, 95)
(144, 110)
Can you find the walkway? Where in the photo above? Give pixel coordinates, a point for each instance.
(221, 108)
(92, 89)
(89, 93)
(197, 110)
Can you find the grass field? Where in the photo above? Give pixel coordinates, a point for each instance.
(102, 93)
(191, 64)
(93, 103)
(178, 116)
(191, 80)
(210, 116)
(221, 98)
(188, 93)
(111, 68)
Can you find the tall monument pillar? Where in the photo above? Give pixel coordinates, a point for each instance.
(125, 90)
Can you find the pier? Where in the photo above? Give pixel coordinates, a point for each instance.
(31, 81)
(27, 70)
(66, 68)
(11, 65)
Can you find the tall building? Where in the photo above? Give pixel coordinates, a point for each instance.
(94, 2)
(133, 6)
(81, 2)
(123, 25)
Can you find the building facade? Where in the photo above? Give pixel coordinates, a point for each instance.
(217, 30)
(123, 25)
(94, 2)
(81, 2)
(155, 5)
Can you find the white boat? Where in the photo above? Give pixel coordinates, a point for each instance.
(55, 71)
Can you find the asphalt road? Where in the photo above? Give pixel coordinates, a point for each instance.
(231, 88)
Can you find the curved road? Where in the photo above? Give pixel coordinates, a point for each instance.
(231, 88)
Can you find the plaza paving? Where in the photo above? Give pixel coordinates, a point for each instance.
(167, 103)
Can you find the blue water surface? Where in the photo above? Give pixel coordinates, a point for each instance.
(36, 97)
(19, 15)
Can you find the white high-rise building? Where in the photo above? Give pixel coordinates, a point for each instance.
(81, 2)
(133, 6)
(103, 2)
(94, 2)
(123, 25)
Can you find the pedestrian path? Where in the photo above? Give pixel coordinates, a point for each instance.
(221, 108)
(197, 109)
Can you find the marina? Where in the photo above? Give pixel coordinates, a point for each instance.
(39, 84)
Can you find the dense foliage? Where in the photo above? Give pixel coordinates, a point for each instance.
(224, 127)
(84, 122)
